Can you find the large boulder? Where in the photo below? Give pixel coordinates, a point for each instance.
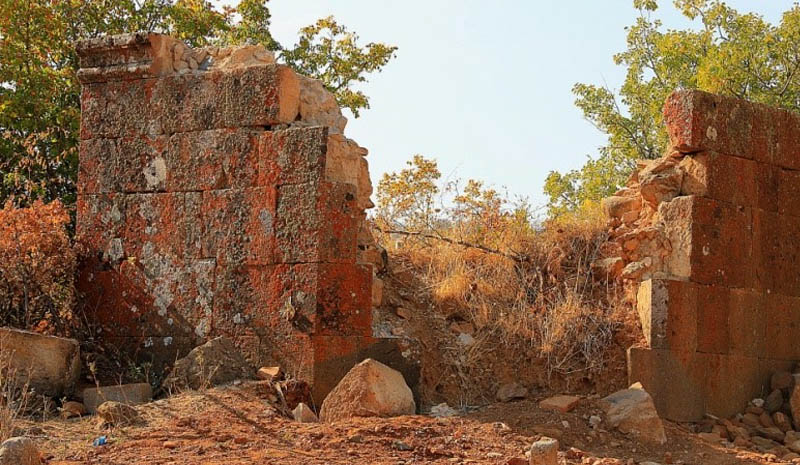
(50, 364)
(632, 412)
(19, 451)
(369, 389)
(216, 362)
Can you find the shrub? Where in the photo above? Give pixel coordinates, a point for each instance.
(37, 267)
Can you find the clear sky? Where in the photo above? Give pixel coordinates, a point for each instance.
(484, 86)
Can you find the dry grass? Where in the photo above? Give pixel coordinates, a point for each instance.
(537, 298)
(15, 393)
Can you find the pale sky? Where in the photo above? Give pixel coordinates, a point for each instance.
(484, 87)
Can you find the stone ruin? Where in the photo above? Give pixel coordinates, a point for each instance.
(709, 235)
(218, 196)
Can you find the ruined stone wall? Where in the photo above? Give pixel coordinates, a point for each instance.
(219, 196)
(711, 231)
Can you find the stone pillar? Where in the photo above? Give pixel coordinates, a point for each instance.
(218, 196)
(713, 241)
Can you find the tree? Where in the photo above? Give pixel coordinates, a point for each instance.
(407, 199)
(39, 91)
(731, 53)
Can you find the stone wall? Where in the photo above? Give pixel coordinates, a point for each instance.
(219, 196)
(711, 231)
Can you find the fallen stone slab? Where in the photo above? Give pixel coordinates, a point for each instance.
(19, 451)
(51, 365)
(369, 389)
(131, 394)
(216, 362)
(632, 411)
(561, 404)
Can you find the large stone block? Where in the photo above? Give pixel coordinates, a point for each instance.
(129, 394)
(731, 381)
(720, 177)
(712, 309)
(746, 322)
(238, 226)
(97, 166)
(51, 365)
(776, 252)
(675, 380)
(252, 96)
(156, 226)
(788, 192)
(782, 327)
(668, 313)
(100, 222)
(292, 156)
(310, 298)
(317, 222)
(711, 241)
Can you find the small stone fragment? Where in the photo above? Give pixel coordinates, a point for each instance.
(303, 414)
(544, 452)
(269, 373)
(561, 404)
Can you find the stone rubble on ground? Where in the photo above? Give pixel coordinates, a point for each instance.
(19, 451)
(632, 411)
(369, 389)
(443, 411)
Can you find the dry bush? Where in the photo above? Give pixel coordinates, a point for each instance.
(37, 267)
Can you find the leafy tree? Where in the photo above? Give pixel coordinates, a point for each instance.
(408, 199)
(329, 52)
(39, 91)
(731, 53)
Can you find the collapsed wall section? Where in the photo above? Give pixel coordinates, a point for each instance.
(711, 232)
(217, 196)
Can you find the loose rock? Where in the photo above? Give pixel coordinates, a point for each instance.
(303, 414)
(19, 451)
(561, 404)
(369, 389)
(511, 391)
(214, 363)
(117, 414)
(544, 452)
(632, 411)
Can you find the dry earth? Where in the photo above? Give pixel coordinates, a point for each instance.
(237, 425)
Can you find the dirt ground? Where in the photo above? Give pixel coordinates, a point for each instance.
(237, 425)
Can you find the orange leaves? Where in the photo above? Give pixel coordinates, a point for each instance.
(37, 266)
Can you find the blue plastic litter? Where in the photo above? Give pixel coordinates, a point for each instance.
(101, 441)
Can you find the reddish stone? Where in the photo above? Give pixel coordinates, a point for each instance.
(767, 187)
(668, 310)
(776, 252)
(782, 327)
(720, 177)
(746, 322)
(251, 96)
(155, 226)
(141, 164)
(731, 381)
(292, 156)
(216, 159)
(100, 220)
(238, 226)
(97, 167)
(711, 241)
(317, 223)
(712, 319)
(786, 143)
(675, 380)
(788, 192)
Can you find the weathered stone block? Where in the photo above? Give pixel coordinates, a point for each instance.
(782, 327)
(252, 96)
(238, 226)
(97, 167)
(126, 56)
(317, 223)
(776, 252)
(129, 394)
(292, 156)
(675, 380)
(210, 160)
(712, 319)
(51, 365)
(155, 226)
(100, 222)
(788, 192)
(668, 313)
(720, 177)
(731, 381)
(711, 241)
(746, 323)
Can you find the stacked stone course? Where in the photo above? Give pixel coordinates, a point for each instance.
(712, 233)
(218, 196)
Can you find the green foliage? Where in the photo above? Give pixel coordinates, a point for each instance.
(730, 53)
(329, 52)
(407, 199)
(39, 92)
